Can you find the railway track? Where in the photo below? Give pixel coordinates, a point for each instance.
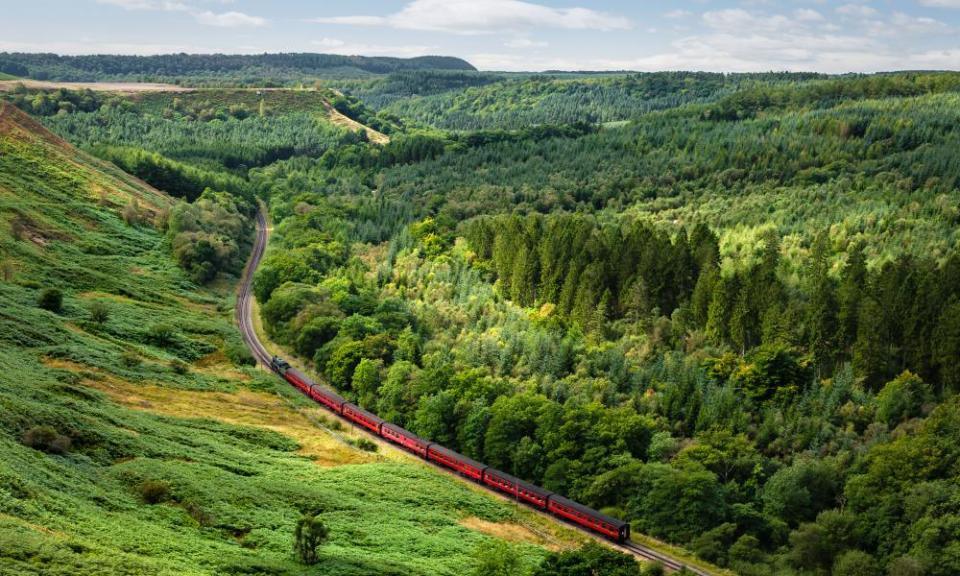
(244, 317)
(244, 309)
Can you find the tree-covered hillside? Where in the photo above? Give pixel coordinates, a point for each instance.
(257, 69)
(470, 101)
(732, 323)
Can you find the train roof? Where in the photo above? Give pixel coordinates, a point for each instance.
(367, 413)
(405, 432)
(329, 393)
(300, 375)
(587, 510)
(451, 454)
(523, 484)
(325, 391)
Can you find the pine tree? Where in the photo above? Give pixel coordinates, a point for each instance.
(872, 357)
(741, 322)
(721, 308)
(703, 294)
(822, 309)
(850, 294)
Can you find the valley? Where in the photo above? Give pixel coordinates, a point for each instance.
(722, 308)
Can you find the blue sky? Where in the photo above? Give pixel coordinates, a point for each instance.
(747, 35)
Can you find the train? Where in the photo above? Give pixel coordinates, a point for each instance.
(530, 494)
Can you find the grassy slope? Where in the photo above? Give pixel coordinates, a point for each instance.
(239, 475)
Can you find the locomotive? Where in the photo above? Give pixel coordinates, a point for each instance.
(530, 494)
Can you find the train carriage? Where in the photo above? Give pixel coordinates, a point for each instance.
(329, 399)
(589, 518)
(404, 438)
(529, 493)
(456, 461)
(298, 379)
(358, 415)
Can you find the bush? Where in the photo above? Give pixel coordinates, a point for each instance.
(99, 312)
(130, 359)
(496, 558)
(161, 335)
(179, 366)
(365, 444)
(239, 354)
(51, 299)
(46, 439)
(308, 535)
(154, 491)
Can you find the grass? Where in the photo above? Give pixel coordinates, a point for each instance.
(231, 456)
(5, 76)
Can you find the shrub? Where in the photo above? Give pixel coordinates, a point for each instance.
(365, 444)
(238, 353)
(99, 312)
(130, 359)
(308, 535)
(496, 558)
(46, 439)
(51, 299)
(197, 512)
(161, 335)
(154, 491)
(179, 366)
(131, 212)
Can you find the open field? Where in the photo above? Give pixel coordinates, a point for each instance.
(121, 87)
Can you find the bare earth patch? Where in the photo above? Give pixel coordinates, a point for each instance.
(513, 533)
(349, 123)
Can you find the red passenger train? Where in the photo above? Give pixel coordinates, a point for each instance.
(529, 494)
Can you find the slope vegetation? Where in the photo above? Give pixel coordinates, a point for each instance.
(130, 442)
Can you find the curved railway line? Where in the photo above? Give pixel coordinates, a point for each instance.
(244, 318)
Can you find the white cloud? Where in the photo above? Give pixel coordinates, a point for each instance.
(337, 46)
(474, 17)
(741, 40)
(147, 5)
(525, 43)
(90, 46)
(328, 42)
(941, 3)
(856, 10)
(915, 24)
(229, 19)
(678, 14)
(807, 15)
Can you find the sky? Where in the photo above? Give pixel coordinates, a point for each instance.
(715, 35)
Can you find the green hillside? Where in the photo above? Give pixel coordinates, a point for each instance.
(735, 324)
(218, 69)
(465, 100)
(135, 440)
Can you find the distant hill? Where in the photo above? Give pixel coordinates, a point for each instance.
(276, 67)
